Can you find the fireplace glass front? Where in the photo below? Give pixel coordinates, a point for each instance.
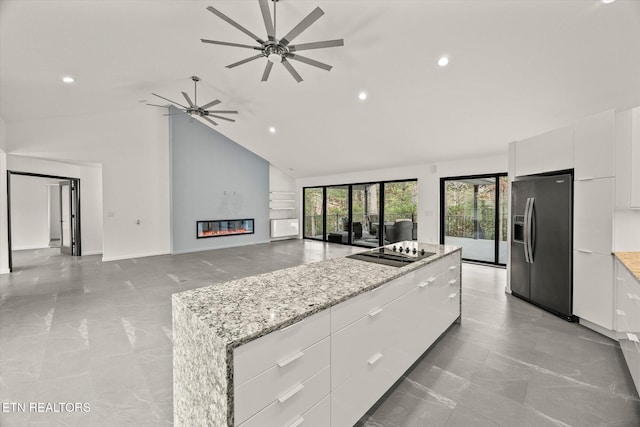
(227, 227)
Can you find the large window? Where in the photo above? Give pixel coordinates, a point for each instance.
(474, 216)
(368, 214)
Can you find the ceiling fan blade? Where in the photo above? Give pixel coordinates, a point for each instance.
(222, 111)
(244, 61)
(167, 99)
(234, 23)
(291, 70)
(310, 61)
(209, 120)
(267, 71)
(229, 44)
(174, 114)
(211, 104)
(266, 16)
(316, 45)
(303, 25)
(188, 99)
(220, 117)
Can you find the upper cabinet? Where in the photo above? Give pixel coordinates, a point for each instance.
(595, 146)
(628, 159)
(548, 152)
(635, 159)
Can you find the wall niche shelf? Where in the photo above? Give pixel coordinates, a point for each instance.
(282, 212)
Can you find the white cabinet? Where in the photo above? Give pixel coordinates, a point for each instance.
(593, 215)
(595, 146)
(593, 288)
(548, 152)
(330, 368)
(371, 353)
(635, 159)
(282, 375)
(628, 319)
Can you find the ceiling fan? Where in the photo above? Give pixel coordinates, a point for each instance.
(193, 110)
(278, 50)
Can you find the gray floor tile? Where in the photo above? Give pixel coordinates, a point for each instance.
(82, 330)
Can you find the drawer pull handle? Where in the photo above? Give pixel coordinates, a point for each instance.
(620, 279)
(452, 296)
(290, 359)
(452, 282)
(621, 313)
(633, 296)
(374, 358)
(297, 422)
(427, 282)
(453, 267)
(632, 337)
(585, 251)
(375, 312)
(288, 395)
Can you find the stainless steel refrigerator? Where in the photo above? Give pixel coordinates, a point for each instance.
(542, 242)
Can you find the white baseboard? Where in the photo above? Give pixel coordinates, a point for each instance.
(189, 251)
(130, 256)
(30, 248)
(91, 253)
(5, 271)
(599, 329)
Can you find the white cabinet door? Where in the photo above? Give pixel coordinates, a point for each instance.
(548, 152)
(593, 288)
(635, 159)
(593, 215)
(595, 146)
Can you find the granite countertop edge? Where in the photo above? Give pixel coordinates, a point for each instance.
(392, 273)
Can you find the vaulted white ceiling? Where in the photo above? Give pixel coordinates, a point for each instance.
(517, 68)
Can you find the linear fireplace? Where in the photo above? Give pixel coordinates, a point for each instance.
(225, 227)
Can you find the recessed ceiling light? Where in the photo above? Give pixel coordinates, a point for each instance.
(362, 96)
(443, 61)
(68, 79)
(607, 1)
(272, 129)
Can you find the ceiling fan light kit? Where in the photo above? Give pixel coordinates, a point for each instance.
(193, 109)
(277, 50)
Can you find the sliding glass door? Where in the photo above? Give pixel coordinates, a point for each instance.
(363, 214)
(473, 215)
(313, 213)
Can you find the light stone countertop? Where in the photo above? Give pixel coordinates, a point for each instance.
(631, 260)
(245, 309)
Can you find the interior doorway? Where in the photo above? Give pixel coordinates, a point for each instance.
(32, 214)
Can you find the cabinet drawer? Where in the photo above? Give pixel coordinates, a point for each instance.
(318, 416)
(264, 389)
(593, 297)
(288, 408)
(426, 274)
(368, 336)
(352, 399)
(451, 268)
(265, 352)
(355, 308)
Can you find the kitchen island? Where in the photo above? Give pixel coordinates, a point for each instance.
(317, 344)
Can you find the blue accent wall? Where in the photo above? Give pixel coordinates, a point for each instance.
(212, 178)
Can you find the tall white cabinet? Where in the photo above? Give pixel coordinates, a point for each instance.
(600, 149)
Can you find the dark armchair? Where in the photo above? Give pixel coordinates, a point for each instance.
(400, 231)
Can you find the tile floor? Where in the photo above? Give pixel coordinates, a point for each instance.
(79, 330)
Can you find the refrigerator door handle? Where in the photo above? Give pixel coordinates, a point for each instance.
(526, 230)
(532, 229)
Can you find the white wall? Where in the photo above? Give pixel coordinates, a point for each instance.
(133, 149)
(54, 211)
(428, 176)
(29, 212)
